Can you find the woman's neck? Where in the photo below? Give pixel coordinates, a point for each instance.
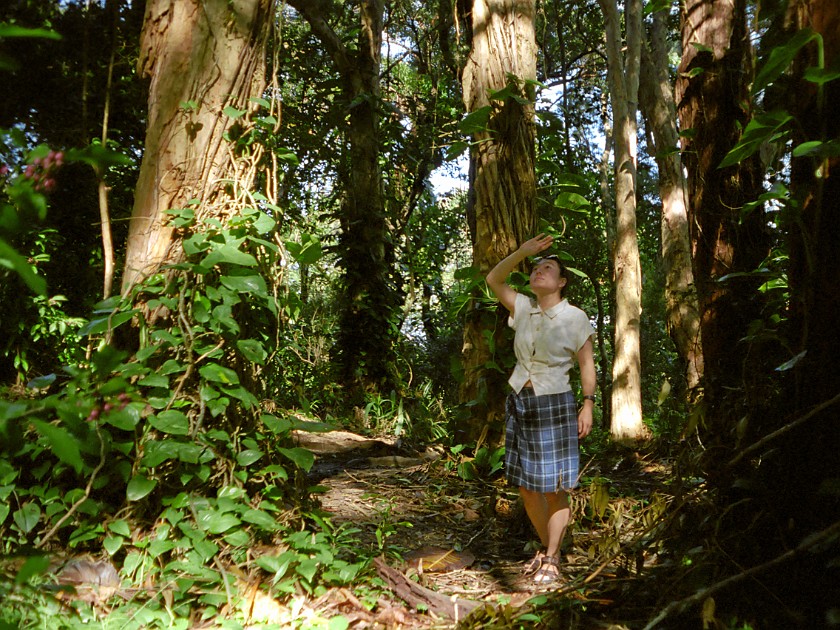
(548, 300)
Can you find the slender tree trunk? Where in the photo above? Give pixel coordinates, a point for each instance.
(623, 78)
(713, 102)
(201, 56)
(365, 342)
(656, 98)
(502, 184)
(102, 186)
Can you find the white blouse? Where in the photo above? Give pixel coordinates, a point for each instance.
(546, 344)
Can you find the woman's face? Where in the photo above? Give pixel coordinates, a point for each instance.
(546, 278)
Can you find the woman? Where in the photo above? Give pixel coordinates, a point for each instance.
(541, 436)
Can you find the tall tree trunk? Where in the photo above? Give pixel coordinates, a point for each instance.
(656, 99)
(623, 78)
(501, 207)
(712, 102)
(201, 56)
(365, 342)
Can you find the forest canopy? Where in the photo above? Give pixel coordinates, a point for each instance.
(227, 226)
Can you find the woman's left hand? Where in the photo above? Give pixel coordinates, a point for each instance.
(585, 421)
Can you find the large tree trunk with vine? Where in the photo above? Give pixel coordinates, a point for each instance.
(656, 98)
(713, 106)
(201, 57)
(623, 79)
(365, 354)
(501, 206)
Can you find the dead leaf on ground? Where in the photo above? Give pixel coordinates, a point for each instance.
(438, 559)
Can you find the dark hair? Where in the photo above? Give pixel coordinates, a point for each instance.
(564, 273)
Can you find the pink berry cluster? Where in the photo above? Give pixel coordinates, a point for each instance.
(120, 403)
(41, 171)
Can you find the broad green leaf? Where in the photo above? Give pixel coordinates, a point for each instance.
(112, 544)
(228, 254)
(821, 76)
(139, 487)
(219, 374)
(248, 457)
(156, 452)
(780, 59)
(278, 426)
(26, 518)
(62, 443)
(154, 380)
(308, 251)
(278, 565)
(217, 523)
(246, 284)
(302, 457)
(232, 112)
(238, 538)
(120, 527)
(253, 350)
(13, 30)
(10, 259)
(125, 419)
(258, 517)
(307, 568)
(475, 122)
(33, 566)
(101, 324)
(171, 421)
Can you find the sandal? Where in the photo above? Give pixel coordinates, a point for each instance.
(548, 571)
(534, 564)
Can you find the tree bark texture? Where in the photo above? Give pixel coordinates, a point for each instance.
(201, 56)
(623, 79)
(365, 341)
(501, 207)
(656, 98)
(713, 106)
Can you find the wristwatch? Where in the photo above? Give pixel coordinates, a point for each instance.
(590, 397)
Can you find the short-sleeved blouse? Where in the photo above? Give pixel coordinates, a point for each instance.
(546, 344)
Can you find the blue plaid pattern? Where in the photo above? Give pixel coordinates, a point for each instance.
(541, 441)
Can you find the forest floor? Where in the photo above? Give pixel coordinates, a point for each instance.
(457, 546)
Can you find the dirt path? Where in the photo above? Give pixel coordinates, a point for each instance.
(411, 506)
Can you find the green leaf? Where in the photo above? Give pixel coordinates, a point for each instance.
(302, 457)
(217, 523)
(476, 121)
(120, 527)
(260, 518)
(232, 112)
(308, 251)
(26, 518)
(253, 350)
(307, 568)
(125, 419)
(219, 374)
(171, 421)
(62, 443)
(780, 59)
(13, 30)
(227, 253)
(248, 457)
(767, 127)
(34, 565)
(112, 544)
(246, 284)
(101, 324)
(278, 426)
(10, 259)
(139, 487)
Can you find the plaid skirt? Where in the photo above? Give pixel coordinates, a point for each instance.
(541, 441)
